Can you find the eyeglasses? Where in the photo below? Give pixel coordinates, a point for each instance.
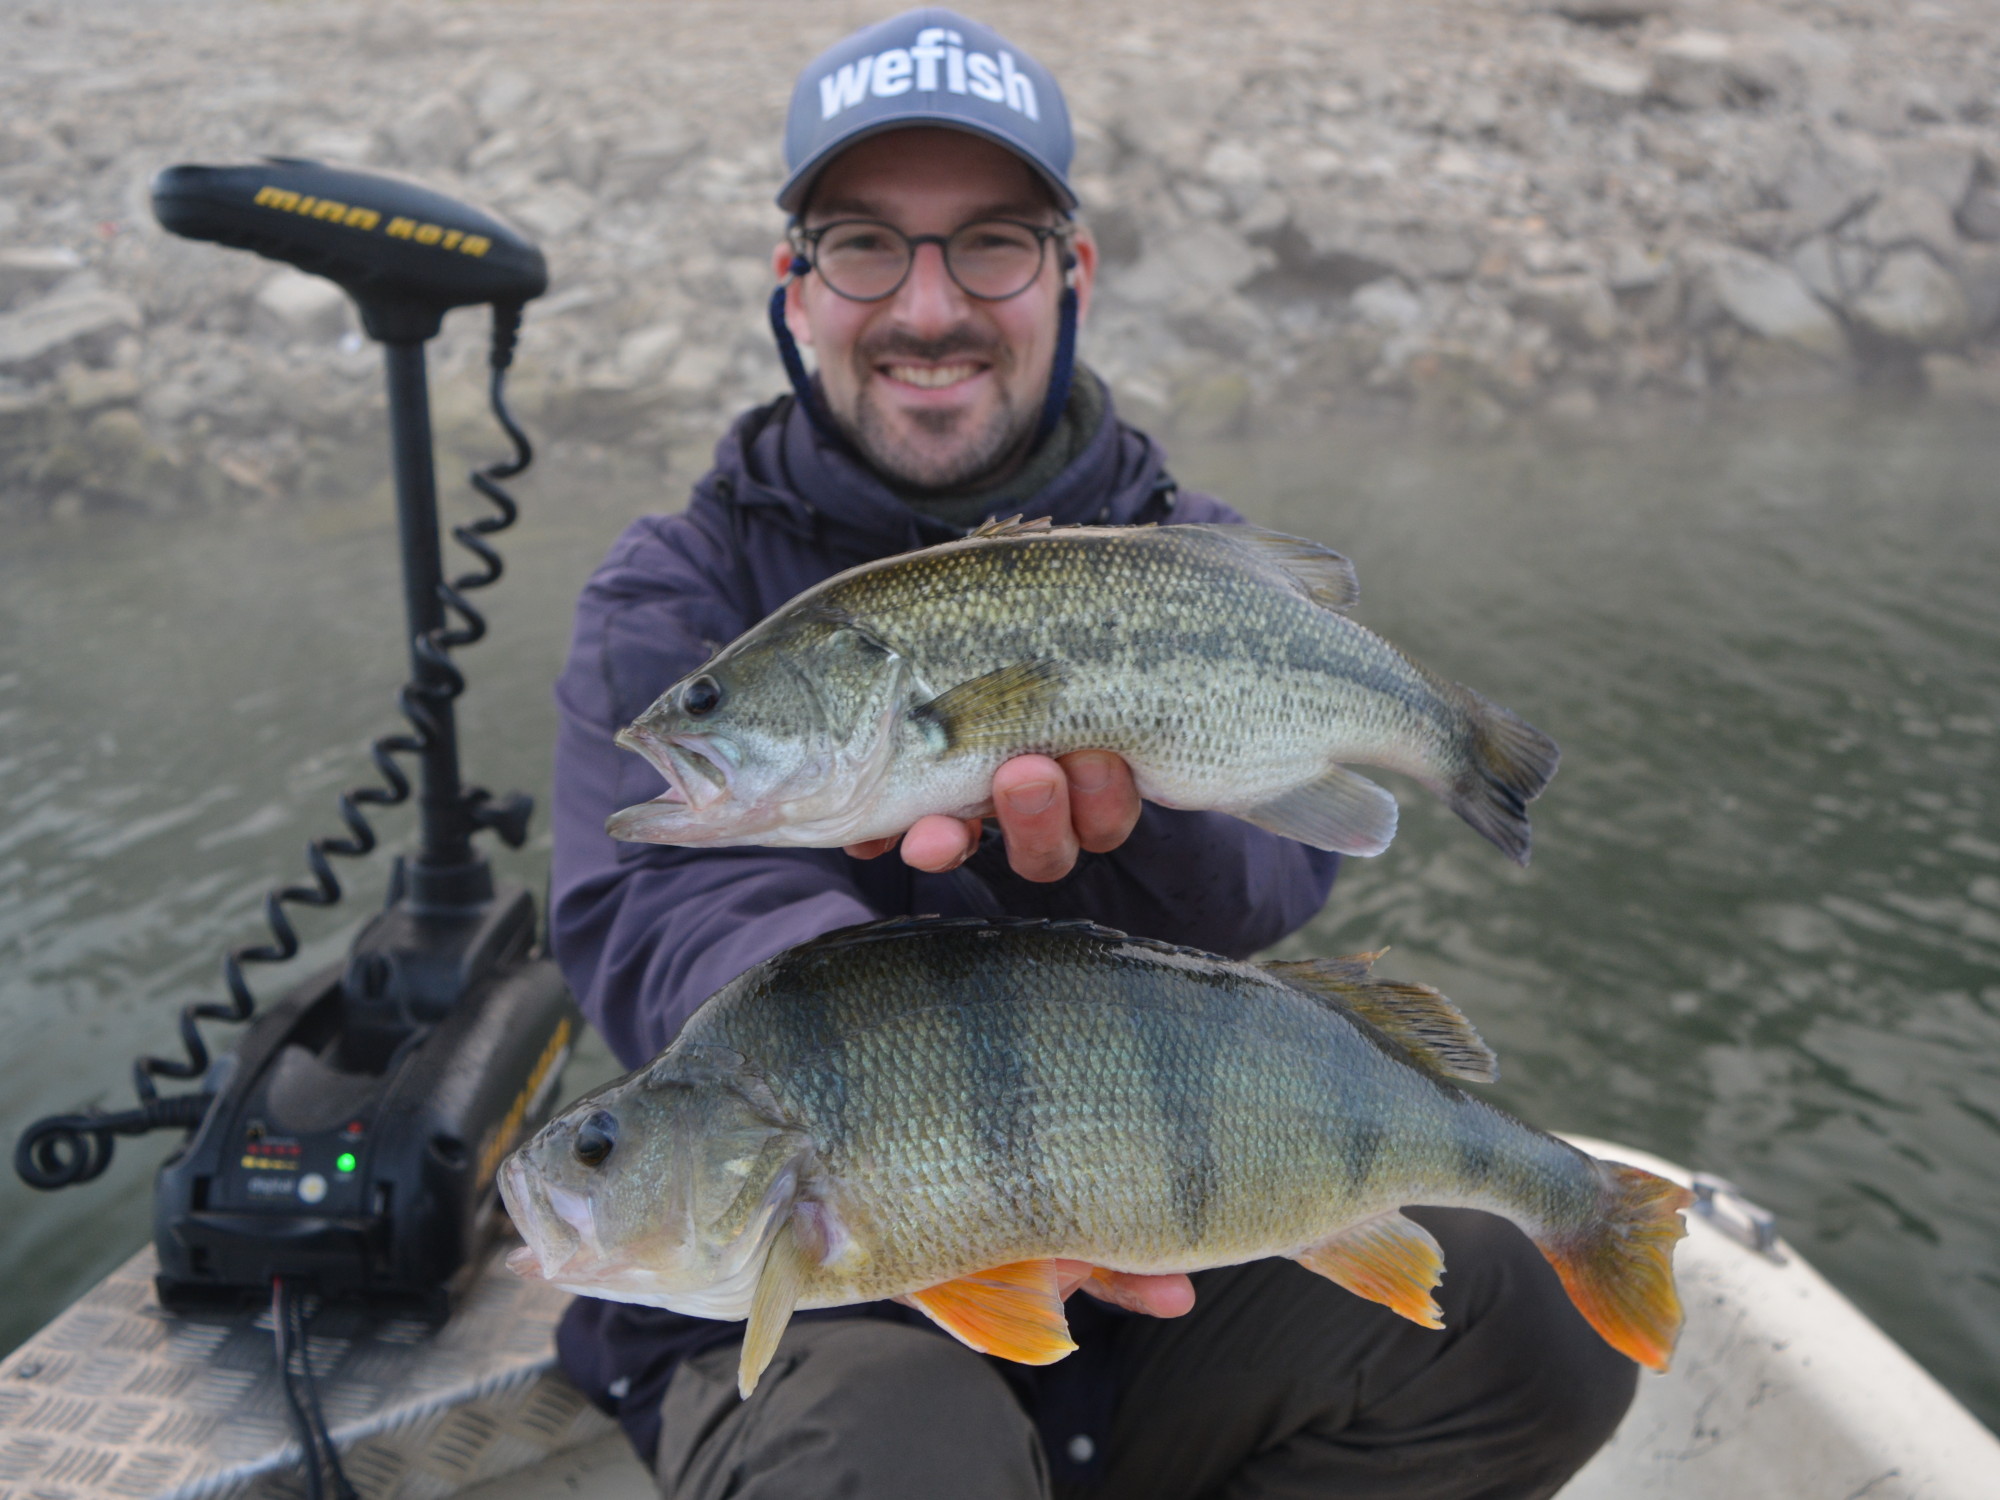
(865, 260)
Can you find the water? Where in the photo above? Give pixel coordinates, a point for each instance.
(1761, 934)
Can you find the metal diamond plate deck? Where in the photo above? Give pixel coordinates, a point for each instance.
(119, 1398)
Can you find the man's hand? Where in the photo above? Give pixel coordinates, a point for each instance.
(1048, 810)
(1155, 1296)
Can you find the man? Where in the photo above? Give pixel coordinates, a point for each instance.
(933, 269)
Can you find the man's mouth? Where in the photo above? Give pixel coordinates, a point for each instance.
(932, 377)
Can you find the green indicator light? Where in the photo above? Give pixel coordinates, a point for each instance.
(344, 1162)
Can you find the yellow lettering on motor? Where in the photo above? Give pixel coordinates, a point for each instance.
(278, 198)
(361, 218)
(402, 229)
(452, 237)
(429, 234)
(501, 1137)
(476, 244)
(326, 208)
(350, 216)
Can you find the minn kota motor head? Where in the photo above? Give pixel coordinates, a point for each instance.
(405, 254)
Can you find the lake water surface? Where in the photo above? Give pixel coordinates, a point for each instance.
(1761, 934)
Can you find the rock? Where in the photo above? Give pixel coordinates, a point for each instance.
(1234, 164)
(1387, 304)
(1761, 367)
(64, 326)
(1834, 271)
(1578, 305)
(1910, 215)
(86, 390)
(1770, 300)
(1952, 377)
(1583, 78)
(1203, 257)
(552, 211)
(697, 372)
(1637, 269)
(1828, 175)
(1979, 278)
(1914, 301)
(645, 352)
(639, 169)
(1702, 70)
(436, 133)
(27, 272)
(1979, 215)
(502, 98)
(1942, 165)
(295, 306)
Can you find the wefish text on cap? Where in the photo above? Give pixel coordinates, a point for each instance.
(926, 67)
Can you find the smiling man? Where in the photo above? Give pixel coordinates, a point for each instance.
(934, 270)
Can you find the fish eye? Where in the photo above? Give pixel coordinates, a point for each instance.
(595, 1139)
(701, 696)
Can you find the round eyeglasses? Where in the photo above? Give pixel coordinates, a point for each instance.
(865, 260)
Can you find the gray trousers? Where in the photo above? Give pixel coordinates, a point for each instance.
(1278, 1386)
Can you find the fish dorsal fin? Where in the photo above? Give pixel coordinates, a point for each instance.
(1012, 526)
(1322, 574)
(1414, 1016)
(999, 710)
(778, 1288)
(1388, 1259)
(1013, 1311)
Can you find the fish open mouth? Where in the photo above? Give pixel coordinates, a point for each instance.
(697, 772)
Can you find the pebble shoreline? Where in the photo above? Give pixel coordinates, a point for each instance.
(1485, 211)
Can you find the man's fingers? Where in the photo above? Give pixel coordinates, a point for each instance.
(1031, 799)
(874, 848)
(1103, 799)
(937, 843)
(1155, 1296)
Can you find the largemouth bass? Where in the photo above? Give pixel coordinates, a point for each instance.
(1214, 659)
(940, 1108)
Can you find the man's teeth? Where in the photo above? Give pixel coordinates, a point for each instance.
(931, 377)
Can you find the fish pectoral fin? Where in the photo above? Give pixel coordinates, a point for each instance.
(1388, 1259)
(1414, 1016)
(1012, 1311)
(778, 1287)
(1338, 810)
(997, 711)
(1320, 573)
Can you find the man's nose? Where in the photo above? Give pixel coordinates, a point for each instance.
(929, 301)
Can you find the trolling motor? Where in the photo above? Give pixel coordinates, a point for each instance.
(346, 1147)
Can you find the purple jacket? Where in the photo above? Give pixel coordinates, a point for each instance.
(644, 933)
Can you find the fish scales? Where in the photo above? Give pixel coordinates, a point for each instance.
(1213, 659)
(1064, 1122)
(899, 1109)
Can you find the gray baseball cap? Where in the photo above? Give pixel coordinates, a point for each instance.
(926, 67)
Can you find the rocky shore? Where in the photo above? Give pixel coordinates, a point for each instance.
(1481, 211)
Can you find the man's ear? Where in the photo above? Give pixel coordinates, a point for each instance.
(795, 313)
(1084, 248)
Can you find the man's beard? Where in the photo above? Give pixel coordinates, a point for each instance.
(911, 464)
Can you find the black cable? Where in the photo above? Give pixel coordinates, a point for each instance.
(63, 1150)
(302, 1430)
(342, 1490)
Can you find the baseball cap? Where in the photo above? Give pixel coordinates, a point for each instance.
(926, 67)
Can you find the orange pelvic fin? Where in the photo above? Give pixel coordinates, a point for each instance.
(1013, 1311)
(1619, 1272)
(1387, 1259)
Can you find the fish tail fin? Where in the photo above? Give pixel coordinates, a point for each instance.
(1619, 1269)
(1508, 762)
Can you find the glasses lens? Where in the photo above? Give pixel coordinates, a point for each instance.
(994, 258)
(861, 259)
